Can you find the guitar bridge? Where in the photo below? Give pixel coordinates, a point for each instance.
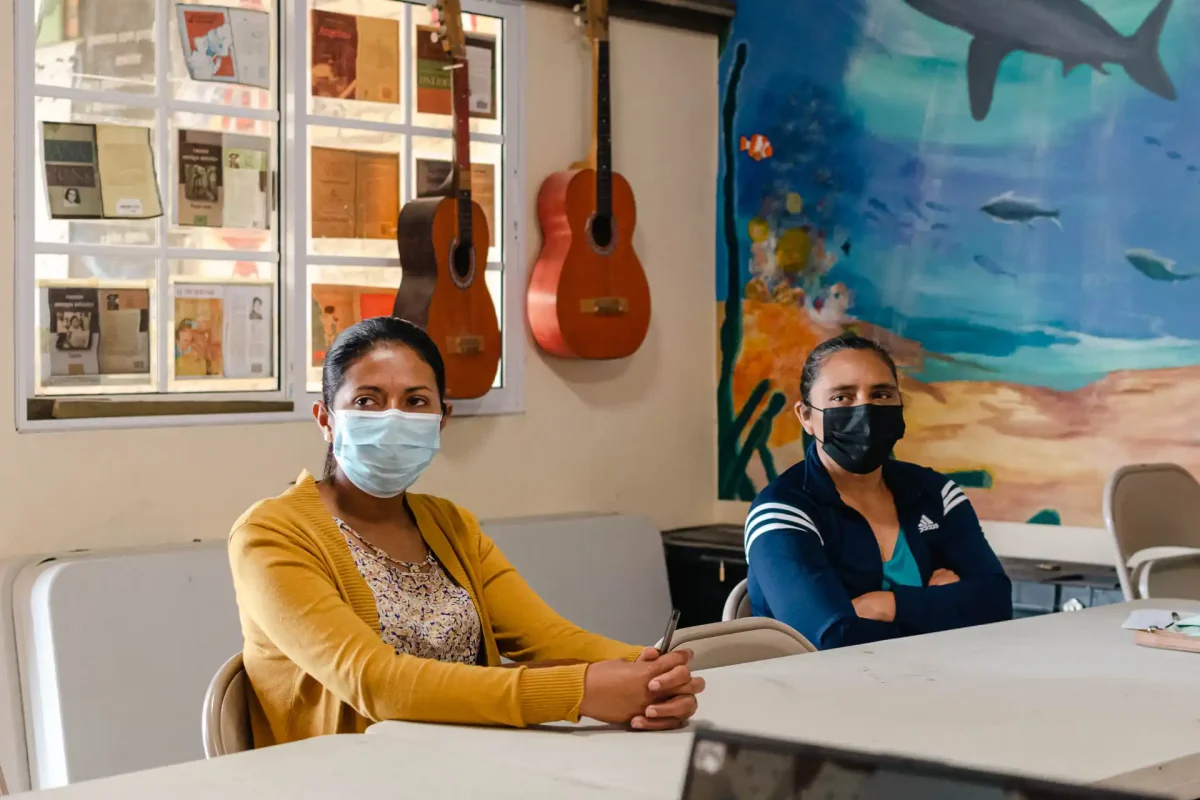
(464, 345)
(605, 306)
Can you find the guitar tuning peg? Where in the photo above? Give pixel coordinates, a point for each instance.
(434, 37)
(578, 22)
(577, 8)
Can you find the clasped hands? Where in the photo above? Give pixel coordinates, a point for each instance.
(881, 606)
(655, 692)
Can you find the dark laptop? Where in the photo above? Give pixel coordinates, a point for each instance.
(731, 766)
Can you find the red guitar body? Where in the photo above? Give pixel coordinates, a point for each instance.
(587, 301)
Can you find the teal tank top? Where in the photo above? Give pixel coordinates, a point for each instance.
(901, 569)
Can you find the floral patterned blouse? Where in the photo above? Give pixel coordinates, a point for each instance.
(421, 611)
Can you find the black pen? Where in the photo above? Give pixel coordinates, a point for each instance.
(664, 646)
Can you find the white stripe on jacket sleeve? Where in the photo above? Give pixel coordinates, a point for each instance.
(776, 517)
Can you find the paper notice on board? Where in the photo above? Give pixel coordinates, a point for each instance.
(246, 177)
(226, 45)
(378, 60)
(377, 206)
(333, 193)
(74, 332)
(199, 331)
(481, 71)
(72, 173)
(124, 331)
(129, 186)
(248, 332)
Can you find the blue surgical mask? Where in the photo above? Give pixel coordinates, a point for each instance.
(384, 452)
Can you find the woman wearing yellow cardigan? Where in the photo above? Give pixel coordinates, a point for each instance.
(361, 602)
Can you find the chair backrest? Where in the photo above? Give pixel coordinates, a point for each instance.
(226, 721)
(740, 641)
(1172, 576)
(737, 605)
(1150, 506)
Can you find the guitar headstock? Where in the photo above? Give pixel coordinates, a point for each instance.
(593, 17)
(451, 35)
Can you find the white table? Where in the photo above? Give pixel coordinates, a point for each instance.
(339, 767)
(1065, 697)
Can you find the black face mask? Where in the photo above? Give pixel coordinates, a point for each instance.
(860, 438)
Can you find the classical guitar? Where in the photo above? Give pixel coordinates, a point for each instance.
(442, 287)
(588, 296)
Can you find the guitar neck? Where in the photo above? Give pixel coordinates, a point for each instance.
(602, 130)
(461, 171)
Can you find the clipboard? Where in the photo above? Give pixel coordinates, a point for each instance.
(1167, 640)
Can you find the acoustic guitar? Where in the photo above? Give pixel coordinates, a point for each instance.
(588, 296)
(442, 287)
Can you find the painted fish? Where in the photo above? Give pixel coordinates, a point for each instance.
(757, 146)
(879, 205)
(939, 207)
(939, 226)
(1171, 154)
(1010, 209)
(1193, 168)
(991, 266)
(846, 247)
(913, 208)
(1154, 266)
(1153, 140)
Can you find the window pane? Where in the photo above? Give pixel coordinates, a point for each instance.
(222, 183)
(223, 334)
(97, 46)
(431, 82)
(431, 164)
(354, 56)
(87, 231)
(244, 72)
(354, 192)
(340, 297)
(95, 336)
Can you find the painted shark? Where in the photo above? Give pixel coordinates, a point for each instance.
(1066, 30)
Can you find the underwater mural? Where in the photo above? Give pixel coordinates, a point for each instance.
(1004, 195)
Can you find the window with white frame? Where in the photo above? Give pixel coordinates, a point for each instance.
(207, 193)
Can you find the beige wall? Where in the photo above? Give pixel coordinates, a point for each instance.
(635, 436)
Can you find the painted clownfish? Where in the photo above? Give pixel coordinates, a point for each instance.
(758, 146)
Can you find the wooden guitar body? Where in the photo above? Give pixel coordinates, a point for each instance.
(443, 291)
(587, 300)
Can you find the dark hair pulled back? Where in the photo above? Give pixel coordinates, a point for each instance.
(830, 347)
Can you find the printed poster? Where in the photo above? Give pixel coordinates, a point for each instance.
(378, 195)
(128, 184)
(124, 331)
(334, 55)
(246, 178)
(432, 175)
(223, 180)
(333, 193)
(355, 194)
(74, 332)
(199, 328)
(226, 45)
(117, 41)
(248, 331)
(200, 190)
(433, 79)
(355, 58)
(335, 308)
(72, 171)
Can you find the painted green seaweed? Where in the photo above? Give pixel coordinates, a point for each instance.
(739, 434)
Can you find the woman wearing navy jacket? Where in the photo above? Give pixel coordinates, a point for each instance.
(849, 546)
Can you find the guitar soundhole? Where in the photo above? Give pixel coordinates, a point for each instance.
(602, 231)
(462, 264)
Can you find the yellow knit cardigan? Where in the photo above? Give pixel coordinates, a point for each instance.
(313, 651)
